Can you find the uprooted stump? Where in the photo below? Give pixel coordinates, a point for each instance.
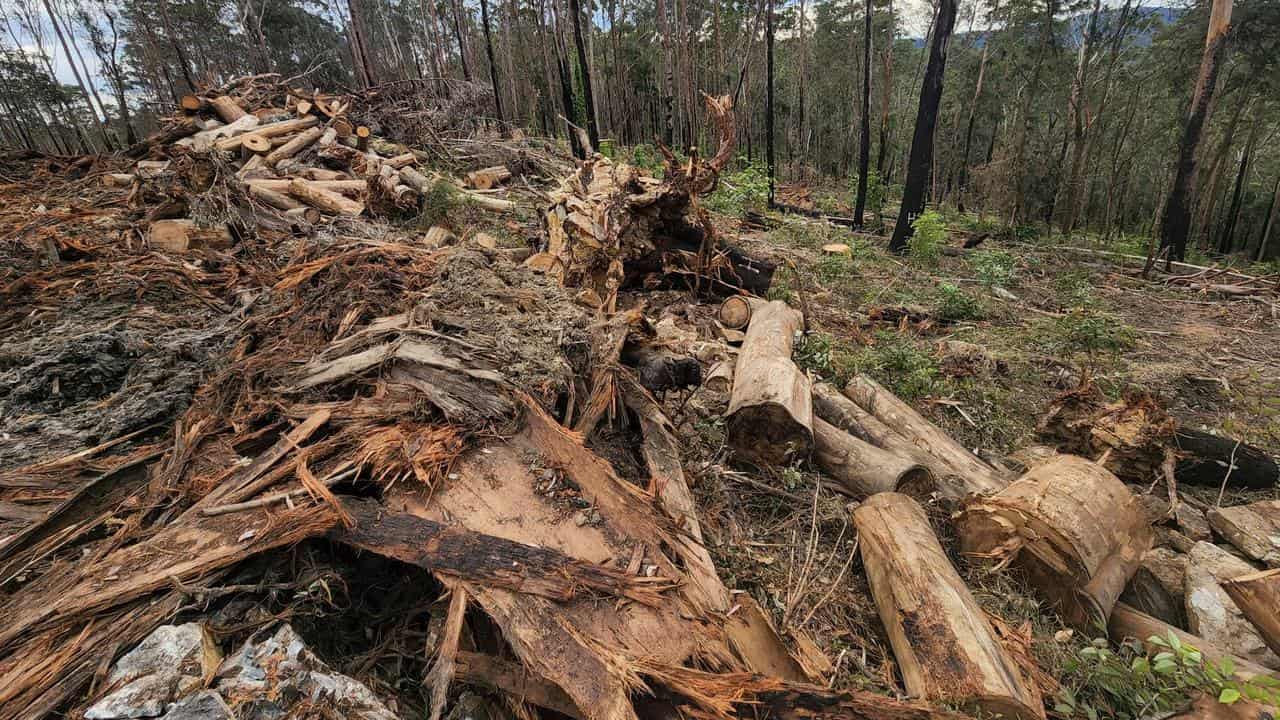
(611, 226)
(1078, 531)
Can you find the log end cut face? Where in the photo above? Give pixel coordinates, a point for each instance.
(768, 435)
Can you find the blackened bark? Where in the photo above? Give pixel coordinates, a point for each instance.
(921, 159)
(768, 104)
(1226, 242)
(1176, 222)
(493, 65)
(593, 132)
(864, 143)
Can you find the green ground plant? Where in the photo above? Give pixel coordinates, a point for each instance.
(440, 200)
(954, 304)
(993, 267)
(746, 189)
(930, 233)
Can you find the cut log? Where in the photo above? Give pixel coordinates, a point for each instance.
(227, 108)
(770, 412)
(182, 235)
(308, 215)
(275, 199)
(172, 132)
(485, 178)
(720, 376)
(1258, 597)
(1128, 623)
(402, 160)
(1254, 529)
(270, 130)
(294, 146)
(837, 409)
(1212, 614)
(255, 143)
(971, 475)
(303, 107)
(1206, 459)
(862, 469)
(192, 103)
(362, 138)
(119, 180)
(735, 311)
(1077, 531)
(325, 200)
(946, 649)
(346, 187)
(151, 168)
(206, 140)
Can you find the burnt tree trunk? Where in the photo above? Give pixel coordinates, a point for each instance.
(768, 102)
(493, 65)
(864, 142)
(1176, 223)
(593, 132)
(913, 192)
(1226, 241)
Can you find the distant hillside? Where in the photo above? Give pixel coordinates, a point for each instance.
(1080, 22)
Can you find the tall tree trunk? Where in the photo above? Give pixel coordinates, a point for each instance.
(1269, 224)
(1226, 242)
(184, 63)
(1017, 173)
(1209, 198)
(768, 103)
(566, 86)
(963, 180)
(886, 93)
(803, 58)
(461, 40)
(1176, 222)
(359, 45)
(864, 142)
(593, 131)
(493, 64)
(926, 121)
(667, 92)
(99, 120)
(1077, 121)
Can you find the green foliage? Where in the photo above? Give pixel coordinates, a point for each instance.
(646, 156)
(955, 304)
(875, 191)
(835, 269)
(746, 189)
(930, 233)
(1127, 683)
(609, 148)
(899, 365)
(780, 288)
(826, 357)
(992, 267)
(1090, 331)
(440, 200)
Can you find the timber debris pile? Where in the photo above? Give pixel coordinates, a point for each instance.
(267, 409)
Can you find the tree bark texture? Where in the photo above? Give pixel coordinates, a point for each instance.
(921, 159)
(945, 647)
(770, 412)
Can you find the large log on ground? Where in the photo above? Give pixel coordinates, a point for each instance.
(770, 412)
(324, 200)
(945, 647)
(295, 145)
(836, 408)
(270, 130)
(1258, 597)
(1207, 459)
(181, 235)
(970, 475)
(227, 108)
(1077, 531)
(1127, 623)
(862, 469)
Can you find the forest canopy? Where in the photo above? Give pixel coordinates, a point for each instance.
(1067, 115)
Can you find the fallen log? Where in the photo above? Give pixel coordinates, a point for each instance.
(1127, 623)
(459, 553)
(946, 649)
(227, 108)
(863, 469)
(1258, 597)
(836, 408)
(1207, 459)
(735, 311)
(353, 187)
(770, 413)
(268, 131)
(1077, 531)
(277, 200)
(485, 178)
(969, 475)
(172, 132)
(181, 235)
(324, 200)
(295, 145)
(660, 369)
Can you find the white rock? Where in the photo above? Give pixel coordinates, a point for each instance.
(1211, 613)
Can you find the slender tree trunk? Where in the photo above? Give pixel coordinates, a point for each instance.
(566, 86)
(1017, 172)
(1226, 242)
(184, 63)
(461, 40)
(1176, 221)
(493, 64)
(593, 131)
(1209, 199)
(886, 94)
(1269, 225)
(768, 104)
(359, 48)
(962, 182)
(98, 120)
(1077, 121)
(926, 122)
(668, 86)
(864, 142)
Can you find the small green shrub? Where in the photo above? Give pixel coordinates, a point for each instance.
(1126, 683)
(746, 189)
(646, 156)
(1089, 331)
(875, 192)
(993, 267)
(440, 200)
(1076, 288)
(930, 233)
(826, 357)
(780, 288)
(893, 360)
(955, 304)
(835, 269)
(609, 148)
